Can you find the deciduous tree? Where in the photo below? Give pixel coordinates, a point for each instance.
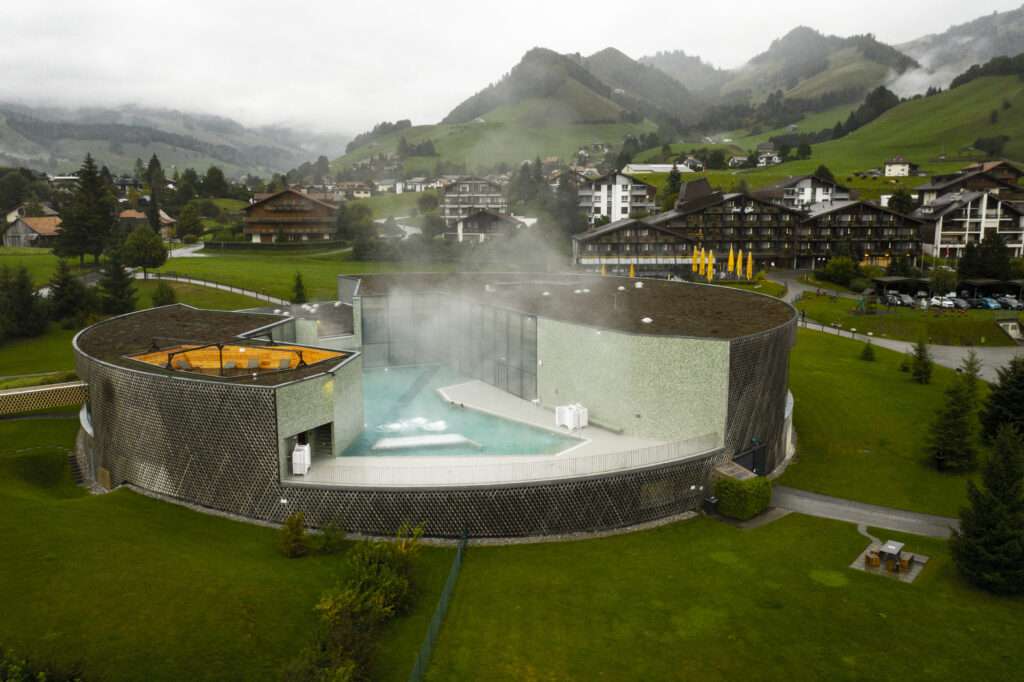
(144, 249)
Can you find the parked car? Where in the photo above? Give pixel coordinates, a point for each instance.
(906, 299)
(893, 299)
(1009, 303)
(960, 303)
(990, 304)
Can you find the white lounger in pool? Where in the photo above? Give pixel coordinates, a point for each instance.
(405, 442)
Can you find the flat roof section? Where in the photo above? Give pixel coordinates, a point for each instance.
(609, 302)
(117, 339)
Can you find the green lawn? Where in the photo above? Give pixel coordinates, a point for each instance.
(704, 600)
(50, 352)
(130, 588)
(861, 427)
(40, 263)
(195, 295)
(274, 273)
(763, 287)
(942, 327)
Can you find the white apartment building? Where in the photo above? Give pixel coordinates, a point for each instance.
(615, 196)
(954, 220)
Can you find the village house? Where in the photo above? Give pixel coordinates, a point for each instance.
(32, 231)
(467, 196)
(615, 196)
(803, 191)
(482, 225)
(289, 215)
(23, 210)
(129, 219)
(898, 167)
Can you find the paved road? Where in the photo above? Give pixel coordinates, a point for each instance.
(188, 251)
(827, 507)
(992, 358)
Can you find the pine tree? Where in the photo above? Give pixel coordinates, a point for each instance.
(163, 294)
(298, 289)
(22, 310)
(970, 370)
(988, 549)
(117, 290)
(868, 352)
(952, 443)
(90, 217)
(69, 299)
(674, 180)
(921, 366)
(1005, 404)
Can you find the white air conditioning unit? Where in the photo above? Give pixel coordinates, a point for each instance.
(301, 459)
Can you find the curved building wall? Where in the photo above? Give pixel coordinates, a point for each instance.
(758, 385)
(217, 444)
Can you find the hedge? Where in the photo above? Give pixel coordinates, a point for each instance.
(743, 499)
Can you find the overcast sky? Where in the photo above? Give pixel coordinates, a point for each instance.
(343, 65)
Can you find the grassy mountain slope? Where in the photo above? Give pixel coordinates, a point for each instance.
(641, 87)
(542, 74)
(805, 63)
(505, 139)
(921, 130)
(56, 140)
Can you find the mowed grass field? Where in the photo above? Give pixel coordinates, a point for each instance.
(943, 327)
(124, 587)
(704, 600)
(862, 427)
(274, 273)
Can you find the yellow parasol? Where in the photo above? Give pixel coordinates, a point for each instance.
(711, 265)
(732, 261)
(632, 270)
(739, 263)
(693, 261)
(750, 266)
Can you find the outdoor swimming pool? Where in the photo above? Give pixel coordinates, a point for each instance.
(402, 403)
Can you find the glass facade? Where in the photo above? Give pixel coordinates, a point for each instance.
(494, 345)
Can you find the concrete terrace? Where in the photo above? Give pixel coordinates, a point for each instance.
(598, 451)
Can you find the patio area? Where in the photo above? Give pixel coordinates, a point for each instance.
(891, 560)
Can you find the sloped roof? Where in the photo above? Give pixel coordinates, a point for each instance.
(941, 182)
(132, 214)
(819, 210)
(44, 226)
(289, 191)
(621, 224)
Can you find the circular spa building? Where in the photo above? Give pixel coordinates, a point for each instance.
(499, 405)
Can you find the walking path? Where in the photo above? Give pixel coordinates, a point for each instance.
(992, 357)
(860, 513)
(214, 285)
(187, 251)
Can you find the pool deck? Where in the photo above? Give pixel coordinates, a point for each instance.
(594, 444)
(482, 397)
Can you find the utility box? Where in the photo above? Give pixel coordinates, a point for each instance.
(301, 459)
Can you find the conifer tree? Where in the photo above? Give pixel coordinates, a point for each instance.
(22, 311)
(868, 352)
(952, 443)
(298, 289)
(117, 290)
(988, 549)
(921, 365)
(89, 219)
(69, 299)
(1005, 404)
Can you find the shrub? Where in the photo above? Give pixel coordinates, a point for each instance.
(859, 284)
(164, 294)
(15, 669)
(380, 568)
(921, 363)
(293, 540)
(868, 352)
(839, 270)
(743, 499)
(332, 538)
(189, 239)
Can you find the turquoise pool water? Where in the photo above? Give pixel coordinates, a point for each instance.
(401, 402)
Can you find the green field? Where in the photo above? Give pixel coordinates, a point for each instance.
(494, 141)
(198, 296)
(40, 263)
(861, 427)
(763, 287)
(704, 600)
(274, 273)
(129, 588)
(810, 123)
(941, 327)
